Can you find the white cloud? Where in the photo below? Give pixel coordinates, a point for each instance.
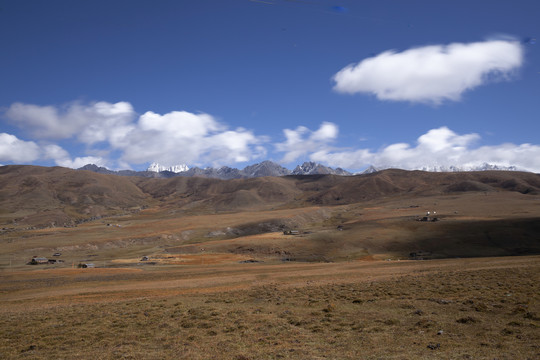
(88, 123)
(117, 137)
(438, 148)
(302, 141)
(12, 149)
(180, 123)
(62, 158)
(172, 138)
(182, 137)
(54, 152)
(431, 74)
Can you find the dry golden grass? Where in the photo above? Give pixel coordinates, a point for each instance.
(472, 224)
(452, 309)
(324, 293)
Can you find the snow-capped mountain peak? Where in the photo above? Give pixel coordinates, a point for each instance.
(311, 168)
(155, 167)
(448, 168)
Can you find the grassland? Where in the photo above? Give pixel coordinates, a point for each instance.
(201, 269)
(453, 309)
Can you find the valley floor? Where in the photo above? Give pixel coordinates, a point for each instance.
(475, 308)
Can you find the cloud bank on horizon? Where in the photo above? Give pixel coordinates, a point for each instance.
(438, 148)
(116, 136)
(105, 128)
(431, 74)
(183, 137)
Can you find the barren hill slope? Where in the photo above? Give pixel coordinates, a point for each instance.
(333, 190)
(335, 217)
(301, 190)
(220, 195)
(41, 196)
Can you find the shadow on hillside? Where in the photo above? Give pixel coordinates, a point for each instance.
(506, 237)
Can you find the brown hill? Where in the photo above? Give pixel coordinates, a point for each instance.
(338, 217)
(333, 190)
(220, 195)
(41, 196)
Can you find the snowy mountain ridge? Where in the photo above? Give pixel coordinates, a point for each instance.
(447, 168)
(270, 168)
(155, 167)
(265, 168)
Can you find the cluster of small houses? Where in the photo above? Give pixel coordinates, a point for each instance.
(41, 260)
(36, 260)
(428, 217)
(418, 255)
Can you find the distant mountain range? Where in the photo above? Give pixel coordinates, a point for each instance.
(57, 196)
(270, 168)
(265, 168)
(451, 168)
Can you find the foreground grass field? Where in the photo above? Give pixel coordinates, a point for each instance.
(209, 269)
(485, 308)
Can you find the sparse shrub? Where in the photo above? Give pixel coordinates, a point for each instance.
(531, 316)
(467, 320)
(481, 307)
(204, 325)
(425, 323)
(329, 308)
(186, 324)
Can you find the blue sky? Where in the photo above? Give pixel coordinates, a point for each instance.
(345, 83)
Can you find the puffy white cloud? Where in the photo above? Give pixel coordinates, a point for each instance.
(54, 152)
(431, 74)
(103, 121)
(302, 141)
(62, 158)
(183, 137)
(116, 136)
(438, 148)
(172, 138)
(88, 123)
(180, 123)
(445, 140)
(12, 149)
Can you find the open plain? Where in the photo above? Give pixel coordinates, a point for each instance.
(391, 265)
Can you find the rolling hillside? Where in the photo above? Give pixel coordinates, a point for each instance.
(338, 218)
(40, 196)
(33, 196)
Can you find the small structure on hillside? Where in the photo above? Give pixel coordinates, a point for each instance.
(145, 258)
(291, 232)
(86, 265)
(55, 261)
(38, 261)
(429, 217)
